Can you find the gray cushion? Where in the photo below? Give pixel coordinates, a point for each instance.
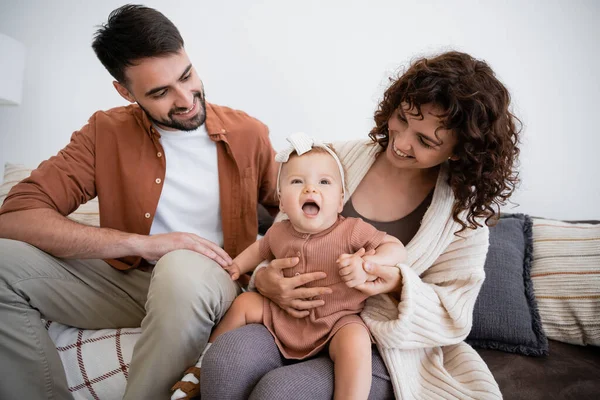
(505, 315)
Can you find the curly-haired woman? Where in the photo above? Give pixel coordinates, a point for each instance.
(440, 162)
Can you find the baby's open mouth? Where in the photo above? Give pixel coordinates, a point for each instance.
(311, 208)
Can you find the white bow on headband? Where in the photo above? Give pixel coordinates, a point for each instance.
(301, 143)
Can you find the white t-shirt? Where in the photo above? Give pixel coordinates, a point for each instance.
(189, 201)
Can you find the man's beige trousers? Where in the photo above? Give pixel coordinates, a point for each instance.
(177, 306)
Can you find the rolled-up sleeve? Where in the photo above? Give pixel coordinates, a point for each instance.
(61, 183)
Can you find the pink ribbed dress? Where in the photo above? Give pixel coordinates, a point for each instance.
(299, 338)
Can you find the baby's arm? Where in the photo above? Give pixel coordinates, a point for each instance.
(246, 261)
(390, 252)
(351, 266)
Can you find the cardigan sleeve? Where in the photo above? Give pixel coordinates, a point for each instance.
(436, 308)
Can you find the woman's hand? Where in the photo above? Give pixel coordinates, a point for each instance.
(389, 280)
(288, 293)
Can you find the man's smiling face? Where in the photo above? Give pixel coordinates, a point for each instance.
(168, 89)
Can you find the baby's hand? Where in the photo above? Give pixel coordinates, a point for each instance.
(233, 270)
(351, 269)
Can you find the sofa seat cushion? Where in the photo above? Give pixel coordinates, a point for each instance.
(569, 372)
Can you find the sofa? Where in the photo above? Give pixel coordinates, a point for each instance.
(536, 321)
(537, 324)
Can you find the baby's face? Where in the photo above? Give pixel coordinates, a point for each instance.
(311, 191)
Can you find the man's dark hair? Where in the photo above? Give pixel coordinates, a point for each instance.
(134, 32)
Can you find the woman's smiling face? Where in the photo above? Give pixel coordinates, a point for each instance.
(418, 142)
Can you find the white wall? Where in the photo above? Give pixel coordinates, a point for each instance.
(321, 67)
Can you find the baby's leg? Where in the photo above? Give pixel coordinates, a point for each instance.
(246, 309)
(350, 351)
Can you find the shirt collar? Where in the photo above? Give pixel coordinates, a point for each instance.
(214, 124)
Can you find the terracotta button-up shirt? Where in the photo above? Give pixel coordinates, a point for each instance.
(118, 157)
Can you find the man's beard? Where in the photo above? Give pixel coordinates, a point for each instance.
(188, 125)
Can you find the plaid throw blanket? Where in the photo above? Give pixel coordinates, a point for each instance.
(96, 362)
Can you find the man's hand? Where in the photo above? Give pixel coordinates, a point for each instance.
(154, 247)
(288, 293)
(351, 269)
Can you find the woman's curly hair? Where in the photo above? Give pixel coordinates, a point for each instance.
(475, 108)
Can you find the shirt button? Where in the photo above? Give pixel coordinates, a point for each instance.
(159, 154)
(147, 215)
(158, 180)
(298, 253)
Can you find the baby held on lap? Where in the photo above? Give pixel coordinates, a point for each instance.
(312, 193)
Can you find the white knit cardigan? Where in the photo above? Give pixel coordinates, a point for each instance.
(421, 337)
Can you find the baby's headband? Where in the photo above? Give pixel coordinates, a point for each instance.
(302, 143)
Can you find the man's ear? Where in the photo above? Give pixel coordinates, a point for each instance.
(124, 92)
